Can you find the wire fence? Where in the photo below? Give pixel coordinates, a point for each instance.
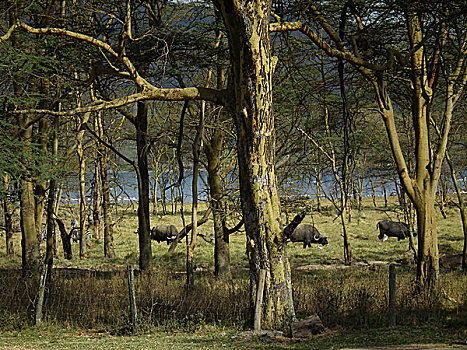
(100, 300)
(93, 299)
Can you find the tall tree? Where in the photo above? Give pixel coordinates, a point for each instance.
(249, 98)
(431, 33)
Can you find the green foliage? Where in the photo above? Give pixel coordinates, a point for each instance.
(24, 159)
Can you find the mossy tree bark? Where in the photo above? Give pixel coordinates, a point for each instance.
(247, 26)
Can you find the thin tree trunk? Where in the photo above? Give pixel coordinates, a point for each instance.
(51, 235)
(461, 210)
(194, 207)
(213, 151)
(373, 191)
(8, 216)
(39, 189)
(109, 251)
(385, 196)
(58, 199)
(97, 201)
(144, 224)
(82, 200)
(319, 186)
(347, 249)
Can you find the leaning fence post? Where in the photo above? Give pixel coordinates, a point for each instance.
(131, 289)
(259, 299)
(392, 295)
(40, 296)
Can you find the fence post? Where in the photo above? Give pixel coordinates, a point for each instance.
(40, 296)
(392, 295)
(259, 299)
(131, 289)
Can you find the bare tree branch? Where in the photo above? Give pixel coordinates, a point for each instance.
(190, 93)
(147, 90)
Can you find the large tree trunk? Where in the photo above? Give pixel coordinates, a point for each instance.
(428, 255)
(144, 224)
(252, 68)
(425, 182)
(419, 192)
(66, 239)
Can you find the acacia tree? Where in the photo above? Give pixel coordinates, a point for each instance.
(435, 38)
(249, 98)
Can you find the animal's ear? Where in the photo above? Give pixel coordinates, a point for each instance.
(316, 237)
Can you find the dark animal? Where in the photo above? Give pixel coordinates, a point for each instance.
(393, 229)
(308, 234)
(164, 233)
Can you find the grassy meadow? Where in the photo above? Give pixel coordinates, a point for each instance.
(351, 301)
(362, 228)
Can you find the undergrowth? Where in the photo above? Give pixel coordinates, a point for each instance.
(352, 298)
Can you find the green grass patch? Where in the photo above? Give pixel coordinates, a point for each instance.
(59, 338)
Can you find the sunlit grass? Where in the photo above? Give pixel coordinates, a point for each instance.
(365, 245)
(52, 337)
(91, 311)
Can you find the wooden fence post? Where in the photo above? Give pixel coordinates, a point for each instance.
(259, 299)
(131, 289)
(40, 296)
(392, 295)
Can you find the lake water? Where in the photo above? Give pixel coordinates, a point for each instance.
(124, 189)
